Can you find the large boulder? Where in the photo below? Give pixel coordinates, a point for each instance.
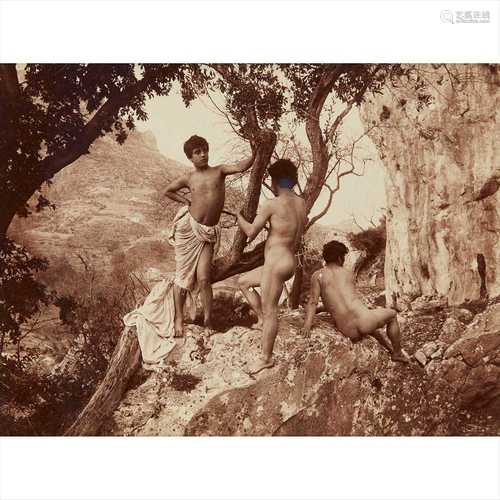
(471, 364)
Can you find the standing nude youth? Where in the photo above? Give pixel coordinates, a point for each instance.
(286, 214)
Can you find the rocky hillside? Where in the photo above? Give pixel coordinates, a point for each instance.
(437, 134)
(325, 385)
(108, 210)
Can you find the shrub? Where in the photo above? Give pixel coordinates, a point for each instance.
(35, 403)
(372, 240)
(21, 295)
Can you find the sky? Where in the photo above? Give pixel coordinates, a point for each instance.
(172, 123)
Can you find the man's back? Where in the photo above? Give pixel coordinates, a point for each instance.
(338, 292)
(352, 317)
(287, 221)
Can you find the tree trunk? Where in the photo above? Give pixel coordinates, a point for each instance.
(123, 364)
(12, 203)
(223, 268)
(294, 299)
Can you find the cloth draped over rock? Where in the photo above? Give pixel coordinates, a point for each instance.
(154, 320)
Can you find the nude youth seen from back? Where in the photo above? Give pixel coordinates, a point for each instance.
(286, 214)
(335, 285)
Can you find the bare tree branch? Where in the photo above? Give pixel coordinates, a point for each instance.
(314, 133)
(325, 209)
(351, 103)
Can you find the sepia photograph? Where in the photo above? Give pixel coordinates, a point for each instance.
(250, 250)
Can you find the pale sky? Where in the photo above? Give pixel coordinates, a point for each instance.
(172, 123)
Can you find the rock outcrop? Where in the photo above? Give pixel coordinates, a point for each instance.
(437, 134)
(324, 385)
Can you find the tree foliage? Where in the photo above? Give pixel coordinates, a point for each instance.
(21, 294)
(371, 240)
(52, 113)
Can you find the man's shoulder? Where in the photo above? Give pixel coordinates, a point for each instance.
(316, 274)
(186, 176)
(183, 177)
(301, 202)
(348, 273)
(267, 207)
(316, 280)
(217, 172)
(270, 203)
(187, 173)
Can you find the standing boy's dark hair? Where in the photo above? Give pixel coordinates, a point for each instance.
(284, 170)
(335, 251)
(195, 141)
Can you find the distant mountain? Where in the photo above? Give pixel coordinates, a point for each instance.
(109, 210)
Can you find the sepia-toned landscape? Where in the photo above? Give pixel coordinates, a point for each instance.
(84, 225)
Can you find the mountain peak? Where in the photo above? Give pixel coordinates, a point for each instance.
(149, 139)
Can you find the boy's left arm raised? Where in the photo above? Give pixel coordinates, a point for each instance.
(239, 167)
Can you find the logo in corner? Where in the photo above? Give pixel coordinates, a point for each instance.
(465, 16)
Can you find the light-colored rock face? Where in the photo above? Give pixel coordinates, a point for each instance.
(443, 174)
(325, 385)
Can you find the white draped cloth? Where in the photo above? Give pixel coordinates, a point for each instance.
(154, 320)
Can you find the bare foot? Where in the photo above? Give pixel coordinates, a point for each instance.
(178, 329)
(399, 356)
(258, 365)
